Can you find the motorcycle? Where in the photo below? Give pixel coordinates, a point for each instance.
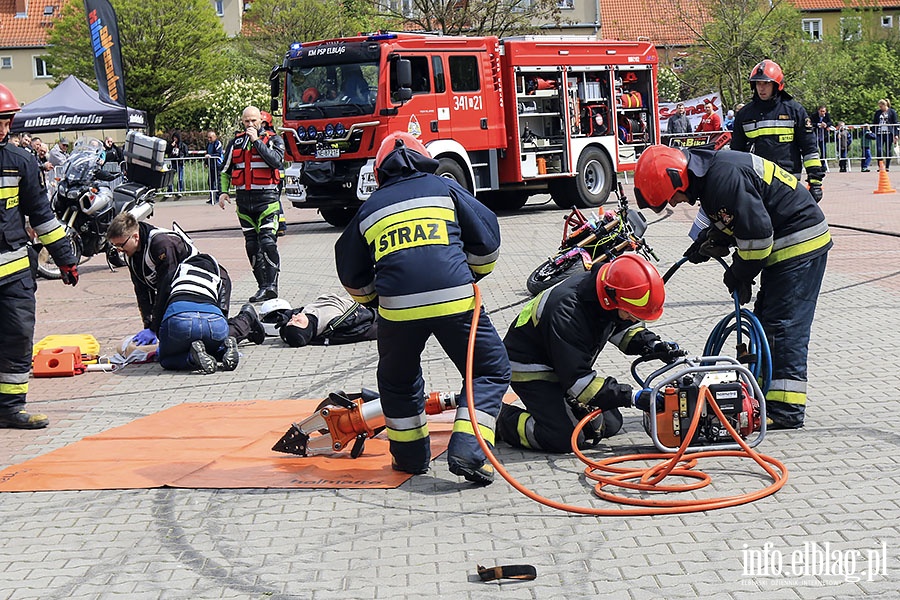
(592, 239)
(85, 205)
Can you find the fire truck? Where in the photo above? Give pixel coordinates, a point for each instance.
(506, 118)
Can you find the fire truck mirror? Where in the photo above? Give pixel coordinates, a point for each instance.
(273, 105)
(274, 87)
(404, 74)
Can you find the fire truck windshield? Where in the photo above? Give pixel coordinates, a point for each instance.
(334, 90)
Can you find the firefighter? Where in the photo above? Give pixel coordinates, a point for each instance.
(253, 161)
(23, 196)
(780, 234)
(415, 248)
(775, 126)
(555, 340)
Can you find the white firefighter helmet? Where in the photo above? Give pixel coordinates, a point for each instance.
(269, 314)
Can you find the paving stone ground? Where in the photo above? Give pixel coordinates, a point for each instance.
(424, 539)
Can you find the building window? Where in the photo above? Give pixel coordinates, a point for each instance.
(566, 4)
(887, 21)
(5, 62)
(48, 11)
(404, 7)
(678, 64)
(813, 28)
(40, 68)
(851, 28)
(220, 8)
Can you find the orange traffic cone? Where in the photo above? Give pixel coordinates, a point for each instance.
(884, 182)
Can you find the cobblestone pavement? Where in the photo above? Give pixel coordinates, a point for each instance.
(833, 529)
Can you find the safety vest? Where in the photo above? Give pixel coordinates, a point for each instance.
(250, 171)
(149, 271)
(194, 280)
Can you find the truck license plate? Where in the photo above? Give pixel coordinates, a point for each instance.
(328, 153)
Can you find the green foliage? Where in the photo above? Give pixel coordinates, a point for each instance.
(223, 105)
(475, 17)
(669, 86)
(170, 48)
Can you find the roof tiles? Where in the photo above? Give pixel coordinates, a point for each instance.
(30, 31)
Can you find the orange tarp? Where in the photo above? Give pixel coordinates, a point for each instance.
(210, 445)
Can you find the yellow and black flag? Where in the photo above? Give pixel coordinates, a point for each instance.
(107, 53)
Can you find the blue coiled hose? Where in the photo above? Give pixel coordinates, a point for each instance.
(745, 324)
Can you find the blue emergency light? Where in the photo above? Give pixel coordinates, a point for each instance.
(295, 50)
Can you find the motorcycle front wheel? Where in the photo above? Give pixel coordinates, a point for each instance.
(549, 274)
(47, 269)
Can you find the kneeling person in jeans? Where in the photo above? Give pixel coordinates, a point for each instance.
(194, 333)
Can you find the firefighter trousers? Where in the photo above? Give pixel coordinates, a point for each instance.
(785, 306)
(17, 304)
(548, 420)
(402, 387)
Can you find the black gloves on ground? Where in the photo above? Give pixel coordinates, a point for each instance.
(744, 288)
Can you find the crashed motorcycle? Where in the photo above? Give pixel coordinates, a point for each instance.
(86, 205)
(592, 239)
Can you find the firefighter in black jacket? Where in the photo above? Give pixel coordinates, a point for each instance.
(554, 342)
(780, 233)
(415, 247)
(22, 196)
(253, 161)
(775, 126)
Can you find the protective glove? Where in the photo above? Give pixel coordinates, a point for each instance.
(642, 400)
(612, 395)
(144, 337)
(69, 274)
(815, 190)
(693, 253)
(744, 288)
(667, 352)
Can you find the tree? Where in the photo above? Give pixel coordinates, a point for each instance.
(273, 25)
(736, 35)
(170, 49)
(472, 17)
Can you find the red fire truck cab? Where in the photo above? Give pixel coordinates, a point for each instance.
(506, 118)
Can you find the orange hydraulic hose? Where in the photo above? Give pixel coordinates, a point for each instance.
(680, 464)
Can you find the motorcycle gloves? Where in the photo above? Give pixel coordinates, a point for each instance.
(69, 274)
(612, 395)
(144, 337)
(743, 288)
(815, 190)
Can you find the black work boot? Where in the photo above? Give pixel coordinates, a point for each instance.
(264, 293)
(24, 420)
(257, 333)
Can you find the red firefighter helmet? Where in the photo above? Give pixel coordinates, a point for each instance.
(632, 284)
(767, 70)
(265, 118)
(396, 140)
(660, 172)
(8, 104)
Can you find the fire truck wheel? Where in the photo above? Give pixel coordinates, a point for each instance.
(339, 216)
(504, 201)
(595, 178)
(449, 168)
(561, 192)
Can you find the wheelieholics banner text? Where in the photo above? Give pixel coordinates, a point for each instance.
(107, 53)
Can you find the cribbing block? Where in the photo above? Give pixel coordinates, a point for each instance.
(64, 361)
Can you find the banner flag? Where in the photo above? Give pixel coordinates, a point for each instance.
(107, 52)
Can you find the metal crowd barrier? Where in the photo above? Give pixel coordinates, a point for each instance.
(847, 144)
